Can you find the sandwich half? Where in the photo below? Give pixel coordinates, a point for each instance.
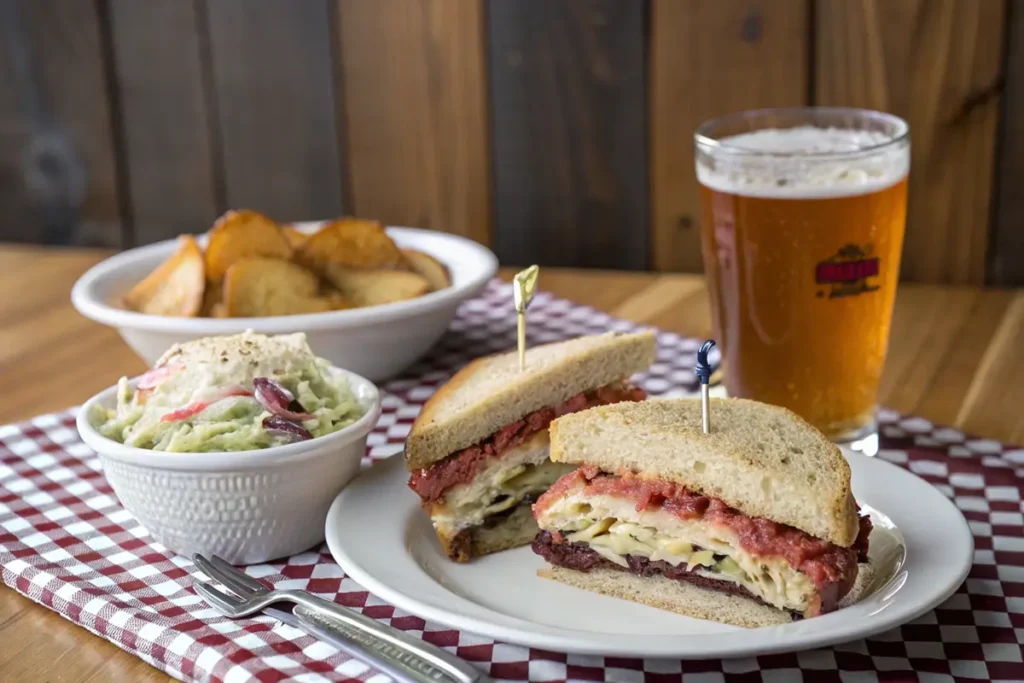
(752, 524)
(478, 452)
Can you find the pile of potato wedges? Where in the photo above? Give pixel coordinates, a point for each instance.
(254, 267)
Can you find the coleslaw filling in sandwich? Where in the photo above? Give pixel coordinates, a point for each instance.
(591, 518)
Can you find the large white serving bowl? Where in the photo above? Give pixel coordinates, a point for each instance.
(246, 506)
(377, 341)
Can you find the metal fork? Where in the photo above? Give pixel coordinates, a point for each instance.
(241, 584)
(406, 658)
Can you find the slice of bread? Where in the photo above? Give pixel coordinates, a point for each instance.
(518, 529)
(491, 392)
(761, 459)
(671, 595)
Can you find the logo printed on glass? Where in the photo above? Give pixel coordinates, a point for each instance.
(847, 272)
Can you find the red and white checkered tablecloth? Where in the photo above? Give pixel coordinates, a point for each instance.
(66, 543)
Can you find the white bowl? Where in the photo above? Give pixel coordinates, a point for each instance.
(246, 506)
(377, 341)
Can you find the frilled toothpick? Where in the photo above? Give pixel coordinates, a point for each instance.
(523, 287)
(703, 371)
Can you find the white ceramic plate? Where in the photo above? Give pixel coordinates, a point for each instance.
(921, 550)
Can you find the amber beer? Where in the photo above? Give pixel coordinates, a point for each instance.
(801, 235)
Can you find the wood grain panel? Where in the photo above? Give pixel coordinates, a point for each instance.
(165, 117)
(944, 397)
(1006, 253)
(17, 207)
(40, 323)
(927, 322)
(568, 122)
(691, 317)
(274, 84)
(413, 74)
(709, 58)
(26, 658)
(990, 405)
(663, 295)
(937, 65)
(58, 167)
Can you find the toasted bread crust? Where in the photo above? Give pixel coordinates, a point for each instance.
(429, 410)
(490, 392)
(762, 460)
(674, 596)
(457, 545)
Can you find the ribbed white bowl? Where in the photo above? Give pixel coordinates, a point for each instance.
(248, 506)
(377, 341)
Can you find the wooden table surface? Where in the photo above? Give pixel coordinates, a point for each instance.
(956, 357)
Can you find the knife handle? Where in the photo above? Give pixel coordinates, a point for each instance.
(408, 659)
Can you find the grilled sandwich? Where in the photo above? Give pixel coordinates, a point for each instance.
(478, 452)
(752, 524)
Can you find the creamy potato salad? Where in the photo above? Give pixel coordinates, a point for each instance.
(234, 393)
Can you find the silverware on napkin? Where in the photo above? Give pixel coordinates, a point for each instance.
(398, 654)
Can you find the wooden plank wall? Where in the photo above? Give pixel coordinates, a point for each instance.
(415, 103)
(59, 170)
(938, 65)
(272, 66)
(1006, 262)
(556, 131)
(568, 115)
(759, 51)
(169, 133)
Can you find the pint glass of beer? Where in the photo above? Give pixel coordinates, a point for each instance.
(803, 219)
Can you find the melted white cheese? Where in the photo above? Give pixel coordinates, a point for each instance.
(614, 529)
(503, 484)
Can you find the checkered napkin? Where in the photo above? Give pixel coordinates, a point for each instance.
(66, 542)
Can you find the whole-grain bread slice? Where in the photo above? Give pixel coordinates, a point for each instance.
(760, 459)
(491, 392)
(675, 596)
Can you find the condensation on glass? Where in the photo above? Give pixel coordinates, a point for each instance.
(803, 219)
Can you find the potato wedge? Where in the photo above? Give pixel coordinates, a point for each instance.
(241, 234)
(213, 301)
(429, 267)
(339, 301)
(373, 287)
(266, 286)
(294, 236)
(176, 287)
(351, 242)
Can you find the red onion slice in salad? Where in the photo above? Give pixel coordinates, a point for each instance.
(278, 426)
(279, 400)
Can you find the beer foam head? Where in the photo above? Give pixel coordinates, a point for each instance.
(804, 162)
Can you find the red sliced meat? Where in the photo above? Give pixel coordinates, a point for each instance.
(583, 558)
(431, 482)
(825, 563)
